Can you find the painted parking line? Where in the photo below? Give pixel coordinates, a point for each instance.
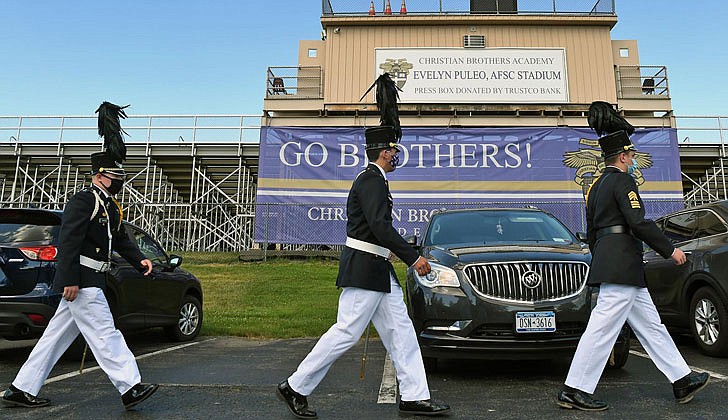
(698, 369)
(140, 357)
(388, 387)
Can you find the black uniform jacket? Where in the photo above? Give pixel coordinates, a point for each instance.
(369, 212)
(617, 258)
(81, 235)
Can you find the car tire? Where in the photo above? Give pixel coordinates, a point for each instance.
(430, 364)
(620, 351)
(707, 315)
(189, 320)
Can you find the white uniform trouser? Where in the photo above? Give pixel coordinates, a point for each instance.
(89, 313)
(616, 304)
(388, 313)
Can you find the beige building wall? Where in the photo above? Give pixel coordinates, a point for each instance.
(349, 68)
(329, 85)
(626, 61)
(632, 54)
(311, 59)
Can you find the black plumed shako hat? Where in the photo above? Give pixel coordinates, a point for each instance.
(615, 143)
(109, 124)
(389, 131)
(613, 129)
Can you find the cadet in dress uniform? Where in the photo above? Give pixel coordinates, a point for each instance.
(91, 229)
(371, 291)
(616, 228)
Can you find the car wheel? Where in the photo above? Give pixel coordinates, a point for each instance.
(707, 315)
(620, 351)
(189, 321)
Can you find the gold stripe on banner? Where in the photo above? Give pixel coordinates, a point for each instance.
(330, 184)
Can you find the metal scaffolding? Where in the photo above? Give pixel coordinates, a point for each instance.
(191, 178)
(703, 138)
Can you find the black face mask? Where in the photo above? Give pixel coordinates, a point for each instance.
(116, 185)
(394, 161)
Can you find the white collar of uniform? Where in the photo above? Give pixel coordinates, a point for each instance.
(612, 166)
(384, 174)
(102, 191)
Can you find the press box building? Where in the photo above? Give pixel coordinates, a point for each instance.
(493, 108)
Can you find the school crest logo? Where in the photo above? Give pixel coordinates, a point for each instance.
(398, 69)
(589, 164)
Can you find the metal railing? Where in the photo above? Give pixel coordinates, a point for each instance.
(141, 128)
(466, 7)
(306, 82)
(303, 82)
(701, 130)
(641, 82)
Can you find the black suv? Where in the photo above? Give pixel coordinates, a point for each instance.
(693, 297)
(169, 297)
(505, 284)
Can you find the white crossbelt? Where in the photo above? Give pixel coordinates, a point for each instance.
(368, 247)
(100, 266)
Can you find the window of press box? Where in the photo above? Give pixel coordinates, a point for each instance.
(624, 52)
(312, 52)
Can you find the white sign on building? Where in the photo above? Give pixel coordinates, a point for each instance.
(483, 75)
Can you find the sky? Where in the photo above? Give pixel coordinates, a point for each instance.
(210, 57)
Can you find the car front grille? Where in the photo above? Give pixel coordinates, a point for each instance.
(510, 281)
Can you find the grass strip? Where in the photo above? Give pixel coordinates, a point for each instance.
(280, 298)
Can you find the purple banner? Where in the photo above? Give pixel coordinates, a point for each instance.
(305, 175)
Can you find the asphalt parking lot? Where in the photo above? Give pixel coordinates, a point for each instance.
(234, 378)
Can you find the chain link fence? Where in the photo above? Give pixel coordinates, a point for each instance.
(320, 229)
(463, 7)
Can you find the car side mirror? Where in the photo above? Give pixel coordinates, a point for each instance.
(175, 261)
(581, 236)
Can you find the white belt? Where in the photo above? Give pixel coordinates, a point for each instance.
(100, 266)
(367, 247)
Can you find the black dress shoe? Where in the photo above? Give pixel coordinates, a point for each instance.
(685, 388)
(574, 398)
(423, 408)
(137, 394)
(13, 397)
(297, 403)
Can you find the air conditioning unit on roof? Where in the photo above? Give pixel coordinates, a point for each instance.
(474, 41)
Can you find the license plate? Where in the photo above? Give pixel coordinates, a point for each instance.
(535, 322)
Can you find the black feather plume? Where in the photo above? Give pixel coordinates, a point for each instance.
(604, 119)
(110, 129)
(386, 96)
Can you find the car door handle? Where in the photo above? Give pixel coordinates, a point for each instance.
(687, 253)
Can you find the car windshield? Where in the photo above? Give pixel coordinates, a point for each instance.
(499, 227)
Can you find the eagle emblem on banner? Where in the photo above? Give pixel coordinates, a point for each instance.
(589, 164)
(398, 70)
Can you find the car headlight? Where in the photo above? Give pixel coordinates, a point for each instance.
(439, 276)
